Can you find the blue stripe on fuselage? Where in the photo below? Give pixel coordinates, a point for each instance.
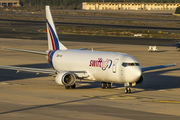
(50, 57)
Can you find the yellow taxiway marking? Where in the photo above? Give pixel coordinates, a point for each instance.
(164, 101)
(115, 97)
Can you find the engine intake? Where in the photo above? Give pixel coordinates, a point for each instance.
(65, 78)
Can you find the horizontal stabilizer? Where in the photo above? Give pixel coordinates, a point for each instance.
(157, 67)
(28, 51)
(82, 49)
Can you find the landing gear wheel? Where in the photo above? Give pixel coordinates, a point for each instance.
(103, 85)
(127, 90)
(109, 85)
(73, 86)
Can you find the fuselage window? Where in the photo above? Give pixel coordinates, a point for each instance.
(130, 64)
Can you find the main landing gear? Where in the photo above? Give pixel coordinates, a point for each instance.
(105, 85)
(71, 87)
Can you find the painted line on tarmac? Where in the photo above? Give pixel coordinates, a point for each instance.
(165, 101)
(116, 97)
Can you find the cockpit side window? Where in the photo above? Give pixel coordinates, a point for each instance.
(124, 64)
(129, 64)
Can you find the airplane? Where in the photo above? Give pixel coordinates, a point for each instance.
(177, 45)
(71, 64)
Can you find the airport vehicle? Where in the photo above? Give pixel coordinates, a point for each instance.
(152, 49)
(68, 64)
(177, 45)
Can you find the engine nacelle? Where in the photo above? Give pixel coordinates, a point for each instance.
(140, 81)
(65, 78)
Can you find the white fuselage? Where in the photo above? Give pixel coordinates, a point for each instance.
(100, 66)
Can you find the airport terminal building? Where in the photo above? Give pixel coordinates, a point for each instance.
(4, 3)
(128, 6)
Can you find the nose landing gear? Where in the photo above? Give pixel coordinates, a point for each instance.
(128, 89)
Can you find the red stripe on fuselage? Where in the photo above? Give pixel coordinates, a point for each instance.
(49, 55)
(51, 39)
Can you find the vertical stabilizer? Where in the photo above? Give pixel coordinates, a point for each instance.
(53, 40)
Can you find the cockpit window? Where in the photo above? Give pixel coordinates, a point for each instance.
(137, 64)
(124, 64)
(129, 64)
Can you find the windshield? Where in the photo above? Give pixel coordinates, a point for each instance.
(130, 64)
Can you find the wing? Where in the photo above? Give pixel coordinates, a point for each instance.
(35, 52)
(35, 70)
(29, 51)
(78, 74)
(157, 67)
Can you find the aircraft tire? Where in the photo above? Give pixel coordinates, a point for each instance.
(103, 85)
(109, 85)
(127, 90)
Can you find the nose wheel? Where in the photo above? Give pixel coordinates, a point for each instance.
(127, 90)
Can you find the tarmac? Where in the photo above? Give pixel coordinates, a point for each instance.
(27, 96)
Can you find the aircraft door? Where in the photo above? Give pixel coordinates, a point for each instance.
(115, 65)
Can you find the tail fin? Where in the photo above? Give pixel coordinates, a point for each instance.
(53, 40)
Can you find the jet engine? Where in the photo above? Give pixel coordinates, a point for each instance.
(65, 78)
(140, 81)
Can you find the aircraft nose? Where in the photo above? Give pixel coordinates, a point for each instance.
(137, 73)
(134, 74)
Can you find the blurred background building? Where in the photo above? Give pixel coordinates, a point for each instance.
(128, 6)
(10, 3)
